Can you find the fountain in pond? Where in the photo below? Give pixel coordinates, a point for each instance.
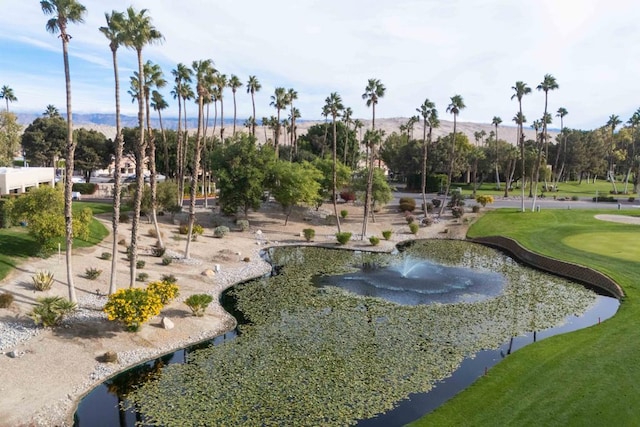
(415, 281)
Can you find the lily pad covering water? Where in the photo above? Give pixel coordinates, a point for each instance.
(323, 356)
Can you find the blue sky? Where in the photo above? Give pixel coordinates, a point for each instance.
(418, 48)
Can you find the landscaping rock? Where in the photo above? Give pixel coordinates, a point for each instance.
(110, 357)
(167, 323)
(208, 273)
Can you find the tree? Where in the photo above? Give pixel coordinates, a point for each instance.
(372, 93)
(429, 119)
(51, 111)
(138, 32)
(294, 184)
(613, 122)
(381, 192)
(454, 107)
(279, 102)
(333, 104)
(562, 112)
(548, 83)
(9, 137)
(496, 122)
(182, 77)
(325, 166)
(292, 95)
(521, 89)
(93, 151)
(346, 119)
(234, 84)
(221, 82)
(63, 12)
(43, 141)
(7, 94)
(114, 32)
(158, 103)
(253, 86)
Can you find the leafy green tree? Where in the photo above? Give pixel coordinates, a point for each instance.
(381, 192)
(613, 122)
(9, 137)
(343, 177)
(93, 152)
(241, 167)
(562, 148)
(279, 101)
(7, 94)
(63, 12)
(43, 141)
(548, 83)
(294, 184)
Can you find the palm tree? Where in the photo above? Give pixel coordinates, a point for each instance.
(520, 120)
(279, 102)
(548, 83)
(51, 111)
(292, 95)
(221, 82)
(562, 112)
(182, 77)
(7, 94)
(234, 84)
(114, 33)
(455, 106)
(158, 103)
(63, 12)
(372, 93)
(521, 89)
(295, 115)
(429, 119)
(357, 127)
(634, 123)
(346, 119)
(253, 86)
(139, 32)
(613, 122)
(333, 104)
(204, 73)
(496, 122)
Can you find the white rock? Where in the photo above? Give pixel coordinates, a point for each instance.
(167, 323)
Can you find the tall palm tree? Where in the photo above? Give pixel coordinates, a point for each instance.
(253, 86)
(222, 83)
(158, 103)
(357, 127)
(204, 73)
(521, 89)
(182, 77)
(292, 95)
(51, 111)
(64, 12)
(7, 94)
(455, 106)
(333, 104)
(562, 112)
(634, 123)
(279, 102)
(372, 94)
(139, 32)
(613, 122)
(548, 83)
(234, 84)
(429, 119)
(347, 120)
(496, 122)
(295, 115)
(113, 31)
(519, 119)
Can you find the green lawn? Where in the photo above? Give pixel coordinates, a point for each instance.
(588, 377)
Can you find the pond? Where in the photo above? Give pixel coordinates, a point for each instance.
(314, 353)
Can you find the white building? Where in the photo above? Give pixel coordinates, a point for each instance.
(19, 180)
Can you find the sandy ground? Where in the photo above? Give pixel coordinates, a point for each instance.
(53, 369)
(624, 219)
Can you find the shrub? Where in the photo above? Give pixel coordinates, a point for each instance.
(386, 234)
(42, 280)
(167, 260)
(429, 207)
(609, 199)
(85, 187)
(140, 263)
(331, 220)
(632, 199)
(407, 204)
(409, 219)
(123, 218)
(246, 259)
(169, 278)
(105, 255)
(122, 242)
(375, 241)
(436, 203)
(427, 221)
(198, 303)
(348, 195)
(153, 233)
(475, 208)
(309, 234)
(575, 198)
(5, 300)
(50, 311)
(484, 200)
(457, 211)
(92, 273)
(133, 307)
(344, 213)
(158, 252)
(343, 237)
(196, 231)
(414, 227)
(457, 199)
(220, 231)
(167, 291)
(142, 277)
(243, 224)
(184, 228)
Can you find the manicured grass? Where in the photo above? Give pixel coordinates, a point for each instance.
(587, 377)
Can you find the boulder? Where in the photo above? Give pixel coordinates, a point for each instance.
(208, 273)
(167, 323)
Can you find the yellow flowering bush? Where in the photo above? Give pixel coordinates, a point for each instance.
(164, 289)
(484, 200)
(133, 307)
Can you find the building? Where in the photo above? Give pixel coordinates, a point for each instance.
(19, 180)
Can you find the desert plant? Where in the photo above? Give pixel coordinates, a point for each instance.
(152, 233)
(246, 259)
(407, 204)
(6, 300)
(375, 241)
(309, 234)
(123, 218)
(243, 224)
(166, 291)
(140, 263)
(457, 211)
(196, 231)
(436, 203)
(344, 213)
(386, 234)
(220, 231)
(331, 220)
(484, 200)
(170, 278)
(105, 255)
(409, 219)
(133, 307)
(198, 303)
(158, 252)
(50, 311)
(122, 242)
(167, 260)
(427, 221)
(429, 207)
(184, 228)
(142, 277)
(414, 227)
(42, 280)
(92, 273)
(343, 237)
(475, 208)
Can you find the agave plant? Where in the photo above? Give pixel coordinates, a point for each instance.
(43, 280)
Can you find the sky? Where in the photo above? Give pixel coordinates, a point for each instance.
(418, 49)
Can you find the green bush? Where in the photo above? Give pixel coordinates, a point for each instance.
(198, 303)
(386, 234)
(409, 219)
(343, 237)
(414, 227)
(140, 264)
(243, 224)
(429, 207)
(166, 291)
(132, 307)
(375, 241)
(170, 278)
(407, 204)
(85, 187)
(484, 200)
(42, 280)
(105, 255)
(475, 208)
(92, 273)
(196, 230)
(123, 218)
(457, 211)
(50, 311)
(220, 231)
(575, 198)
(344, 213)
(436, 203)
(142, 277)
(184, 228)
(158, 252)
(609, 199)
(6, 300)
(167, 260)
(309, 234)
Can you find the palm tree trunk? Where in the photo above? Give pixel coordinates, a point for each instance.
(451, 162)
(180, 148)
(117, 178)
(194, 178)
(165, 145)
(335, 178)
(424, 167)
(153, 183)
(253, 125)
(234, 112)
(368, 193)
